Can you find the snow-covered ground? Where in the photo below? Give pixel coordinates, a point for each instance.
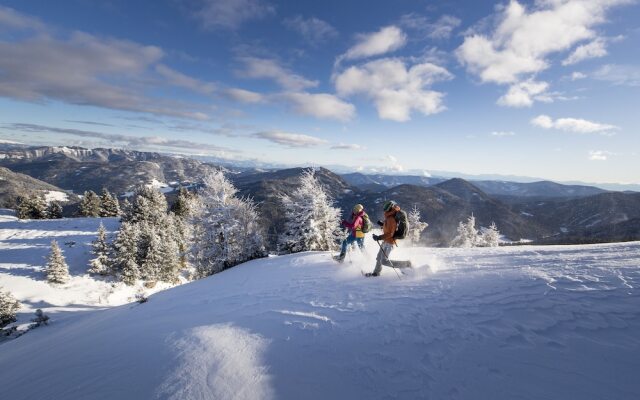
(557, 322)
(24, 246)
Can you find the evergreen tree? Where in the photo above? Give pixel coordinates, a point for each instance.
(490, 237)
(125, 253)
(100, 264)
(311, 221)
(184, 203)
(57, 268)
(126, 210)
(149, 205)
(467, 234)
(109, 205)
(54, 210)
(32, 207)
(226, 228)
(90, 204)
(416, 226)
(8, 308)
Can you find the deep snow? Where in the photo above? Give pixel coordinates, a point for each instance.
(556, 322)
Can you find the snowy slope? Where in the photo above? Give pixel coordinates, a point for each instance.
(24, 246)
(522, 322)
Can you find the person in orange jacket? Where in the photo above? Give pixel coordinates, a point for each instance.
(389, 227)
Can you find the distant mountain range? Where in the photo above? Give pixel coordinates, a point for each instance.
(542, 211)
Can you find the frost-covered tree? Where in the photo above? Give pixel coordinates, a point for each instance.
(490, 236)
(54, 210)
(148, 204)
(57, 268)
(8, 308)
(109, 205)
(311, 220)
(125, 253)
(467, 235)
(100, 265)
(161, 261)
(32, 207)
(89, 205)
(226, 229)
(416, 226)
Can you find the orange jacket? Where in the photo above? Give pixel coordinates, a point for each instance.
(390, 225)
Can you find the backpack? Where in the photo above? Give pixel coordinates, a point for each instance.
(402, 225)
(366, 223)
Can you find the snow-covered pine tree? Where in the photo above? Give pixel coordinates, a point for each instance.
(54, 210)
(467, 234)
(416, 226)
(57, 268)
(149, 205)
(89, 205)
(109, 205)
(100, 264)
(226, 229)
(490, 237)
(161, 261)
(32, 206)
(126, 210)
(125, 253)
(8, 308)
(184, 203)
(311, 220)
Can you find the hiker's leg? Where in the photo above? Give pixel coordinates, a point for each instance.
(360, 242)
(382, 258)
(345, 244)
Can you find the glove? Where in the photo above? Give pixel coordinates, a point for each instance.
(380, 223)
(377, 237)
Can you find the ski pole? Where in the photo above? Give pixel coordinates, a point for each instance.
(388, 260)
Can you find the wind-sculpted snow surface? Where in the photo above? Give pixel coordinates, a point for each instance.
(494, 323)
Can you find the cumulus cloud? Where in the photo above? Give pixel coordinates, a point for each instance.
(313, 29)
(395, 89)
(265, 68)
(523, 94)
(345, 146)
(244, 96)
(577, 75)
(290, 139)
(138, 142)
(319, 105)
(594, 49)
(387, 39)
(522, 40)
(573, 125)
(229, 14)
(11, 19)
(626, 75)
(599, 155)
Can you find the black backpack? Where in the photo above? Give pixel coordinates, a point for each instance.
(402, 225)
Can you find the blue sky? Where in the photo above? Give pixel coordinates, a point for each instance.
(545, 88)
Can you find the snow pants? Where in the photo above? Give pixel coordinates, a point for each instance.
(348, 241)
(383, 259)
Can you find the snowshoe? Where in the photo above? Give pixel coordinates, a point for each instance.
(338, 258)
(371, 274)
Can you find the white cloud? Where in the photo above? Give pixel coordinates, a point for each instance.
(599, 155)
(387, 39)
(290, 139)
(313, 29)
(395, 90)
(523, 94)
(393, 163)
(264, 68)
(244, 96)
(502, 133)
(573, 125)
(594, 49)
(577, 75)
(627, 75)
(11, 19)
(176, 78)
(229, 14)
(522, 40)
(345, 146)
(319, 105)
(440, 29)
